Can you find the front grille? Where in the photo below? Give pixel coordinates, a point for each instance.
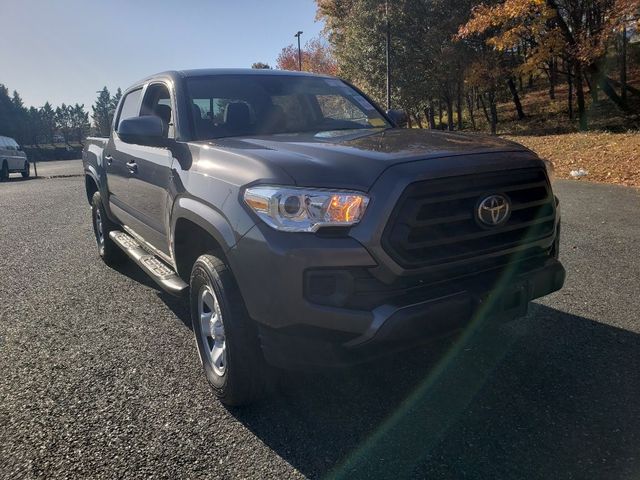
(435, 223)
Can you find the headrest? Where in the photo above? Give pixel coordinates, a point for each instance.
(197, 112)
(164, 112)
(236, 115)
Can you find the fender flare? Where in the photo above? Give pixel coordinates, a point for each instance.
(90, 171)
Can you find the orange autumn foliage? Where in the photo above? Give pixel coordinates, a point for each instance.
(316, 58)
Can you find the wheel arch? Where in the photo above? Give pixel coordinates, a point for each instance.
(196, 229)
(90, 185)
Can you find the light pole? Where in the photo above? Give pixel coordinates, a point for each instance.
(299, 51)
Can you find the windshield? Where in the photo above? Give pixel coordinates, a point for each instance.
(240, 105)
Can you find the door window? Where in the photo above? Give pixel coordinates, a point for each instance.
(130, 106)
(157, 101)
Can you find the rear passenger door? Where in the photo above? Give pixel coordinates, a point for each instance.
(145, 193)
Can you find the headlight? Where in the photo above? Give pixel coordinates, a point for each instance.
(305, 210)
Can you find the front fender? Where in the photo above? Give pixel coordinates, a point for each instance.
(207, 218)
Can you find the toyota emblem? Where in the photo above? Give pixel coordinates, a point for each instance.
(494, 210)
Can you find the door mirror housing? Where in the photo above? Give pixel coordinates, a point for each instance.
(147, 130)
(398, 117)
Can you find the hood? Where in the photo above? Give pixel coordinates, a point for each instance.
(354, 159)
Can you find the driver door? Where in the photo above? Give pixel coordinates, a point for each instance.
(145, 174)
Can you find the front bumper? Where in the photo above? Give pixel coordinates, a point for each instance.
(360, 323)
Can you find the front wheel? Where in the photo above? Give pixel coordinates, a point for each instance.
(225, 335)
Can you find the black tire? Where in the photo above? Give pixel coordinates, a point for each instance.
(107, 249)
(26, 172)
(4, 172)
(241, 381)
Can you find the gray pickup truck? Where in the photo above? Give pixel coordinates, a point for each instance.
(307, 228)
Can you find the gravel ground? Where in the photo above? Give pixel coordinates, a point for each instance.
(100, 377)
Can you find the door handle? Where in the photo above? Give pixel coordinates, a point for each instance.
(109, 159)
(132, 166)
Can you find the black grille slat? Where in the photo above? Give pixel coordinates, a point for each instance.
(435, 219)
(412, 245)
(523, 206)
(475, 193)
(441, 220)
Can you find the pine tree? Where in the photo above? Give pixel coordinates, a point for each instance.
(101, 113)
(48, 117)
(79, 122)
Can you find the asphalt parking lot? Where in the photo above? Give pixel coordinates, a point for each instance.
(99, 375)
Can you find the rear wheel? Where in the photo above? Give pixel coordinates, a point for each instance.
(4, 172)
(102, 226)
(225, 335)
(25, 172)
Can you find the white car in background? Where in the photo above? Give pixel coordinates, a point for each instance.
(12, 159)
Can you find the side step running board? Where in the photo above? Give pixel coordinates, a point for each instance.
(162, 274)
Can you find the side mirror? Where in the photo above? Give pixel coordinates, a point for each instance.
(147, 130)
(398, 117)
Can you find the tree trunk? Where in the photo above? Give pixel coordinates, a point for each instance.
(607, 87)
(470, 108)
(516, 98)
(623, 66)
(459, 106)
(450, 114)
(570, 94)
(494, 112)
(431, 115)
(582, 111)
(440, 115)
(484, 108)
(553, 73)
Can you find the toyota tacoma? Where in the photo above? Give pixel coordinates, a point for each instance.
(307, 228)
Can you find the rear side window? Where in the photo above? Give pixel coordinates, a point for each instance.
(130, 106)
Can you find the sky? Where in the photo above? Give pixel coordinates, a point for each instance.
(65, 50)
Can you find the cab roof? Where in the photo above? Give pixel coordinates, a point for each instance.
(207, 72)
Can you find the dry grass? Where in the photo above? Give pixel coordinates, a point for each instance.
(608, 157)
